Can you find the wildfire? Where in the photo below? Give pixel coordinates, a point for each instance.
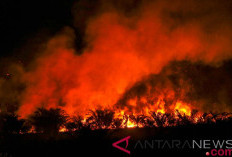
(138, 70)
(130, 124)
(183, 108)
(133, 118)
(116, 57)
(63, 129)
(181, 116)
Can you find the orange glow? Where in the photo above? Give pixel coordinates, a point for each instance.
(183, 108)
(119, 53)
(160, 111)
(130, 124)
(62, 129)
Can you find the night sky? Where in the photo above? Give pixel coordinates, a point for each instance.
(27, 22)
(21, 21)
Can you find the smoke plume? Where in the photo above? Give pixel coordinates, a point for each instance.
(126, 43)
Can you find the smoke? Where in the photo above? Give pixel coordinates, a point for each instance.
(11, 86)
(125, 42)
(200, 86)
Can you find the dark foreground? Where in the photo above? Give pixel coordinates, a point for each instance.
(99, 142)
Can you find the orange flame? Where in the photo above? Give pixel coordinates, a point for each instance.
(120, 52)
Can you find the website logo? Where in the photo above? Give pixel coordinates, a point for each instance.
(115, 144)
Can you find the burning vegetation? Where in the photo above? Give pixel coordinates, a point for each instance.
(55, 120)
(140, 67)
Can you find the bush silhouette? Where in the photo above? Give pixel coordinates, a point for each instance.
(48, 121)
(11, 124)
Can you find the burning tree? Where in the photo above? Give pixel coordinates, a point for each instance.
(74, 124)
(100, 119)
(139, 120)
(117, 123)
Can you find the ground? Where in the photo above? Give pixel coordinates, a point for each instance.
(99, 142)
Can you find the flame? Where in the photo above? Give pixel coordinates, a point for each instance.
(183, 108)
(63, 129)
(161, 111)
(130, 124)
(120, 52)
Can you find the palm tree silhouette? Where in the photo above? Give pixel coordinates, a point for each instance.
(48, 121)
(74, 124)
(100, 119)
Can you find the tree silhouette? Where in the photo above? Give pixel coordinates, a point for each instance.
(149, 122)
(117, 123)
(100, 119)
(139, 120)
(183, 119)
(159, 118)
(48, 121)
(10, 124)
(74, 124)
(170, 119)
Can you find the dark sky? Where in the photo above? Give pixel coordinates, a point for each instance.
(22, 20)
